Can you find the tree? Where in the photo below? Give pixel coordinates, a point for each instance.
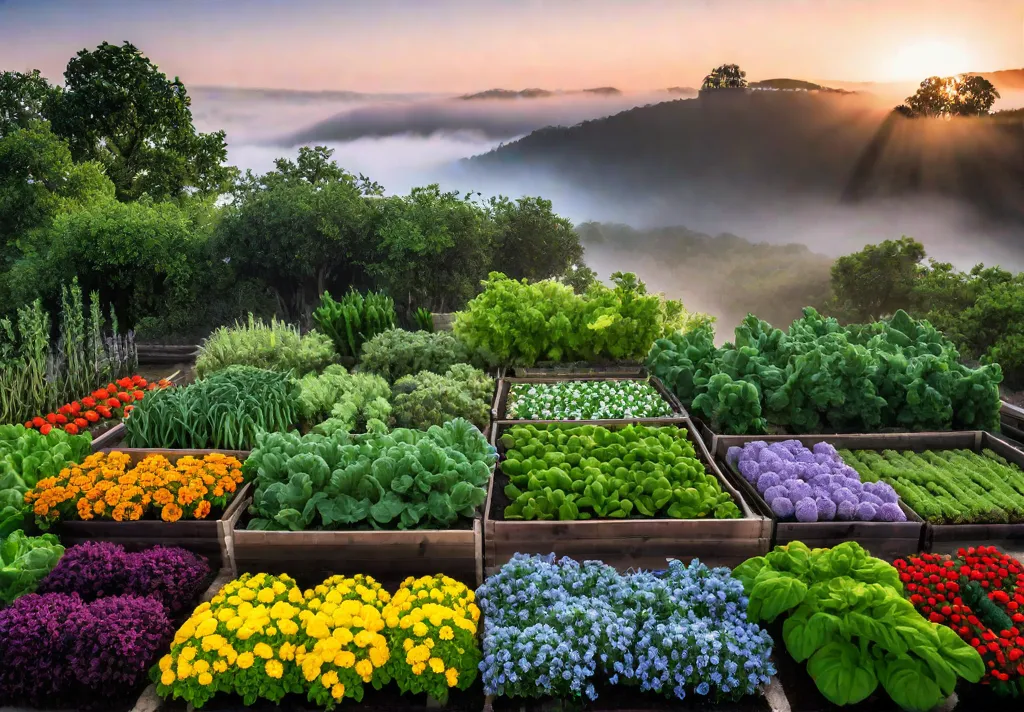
(23, 99)
(727, 76)
(877, 281)
(531, 241)
(120, 110)
(943, 97)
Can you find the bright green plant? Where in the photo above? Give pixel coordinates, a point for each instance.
(355, 319)
(396, 353)
(339, 401)
(424, 319)
(948, 486)
(276, 346)
(406, 479)
(24, 562)
(430, 399)
(846, 616)
(27, 456)
(224, 411)
(823, 377)
(585, 400)
(522, 323)
(579, 472)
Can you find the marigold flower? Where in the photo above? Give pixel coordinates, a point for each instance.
(61, 419)
(38, 422)
(76, 407)
(138, 395)
(92, 416)
(81, 423)
(45, 430)
(171, 513)
(51, 418)
(113, 403)
(71, 429)
(65, 409)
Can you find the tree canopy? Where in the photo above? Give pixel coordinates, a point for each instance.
(727, 76)
(944, 97)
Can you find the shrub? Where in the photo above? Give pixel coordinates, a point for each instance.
(396, 353)
(91, 570)
(223, 411)
(354, 320)
(429, 399)
(350, 402)
(276, 346)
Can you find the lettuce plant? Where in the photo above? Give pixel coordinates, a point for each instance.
(24, 562)
(585, 400)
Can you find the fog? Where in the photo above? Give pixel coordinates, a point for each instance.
(403, 141)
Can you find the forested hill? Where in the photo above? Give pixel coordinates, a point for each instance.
(763, 145)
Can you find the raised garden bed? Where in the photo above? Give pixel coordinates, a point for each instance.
(580, 368)
(943, 538)
(886, 540)
(1011, 419)
(624, 543)
(210, 537)
(499, 408)
(624, 698)
(311, 556)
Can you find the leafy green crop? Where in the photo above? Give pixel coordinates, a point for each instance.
(225, 411)
(336, 400)
(585, 400)
(355, 319)
(396, 353)
(26, 456)
(406, 479)
(429, 399)
(276, 346)
(24, 562)
(823, 377)
(559, 471)
(948, 486)
(522, 322)
(424, 319)
(846, 616)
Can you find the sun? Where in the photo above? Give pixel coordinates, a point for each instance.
(930, 58)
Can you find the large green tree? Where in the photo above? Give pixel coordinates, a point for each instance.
(23, 99)
(727, 76)
(943, 97)
(531, 240)
(119, 109)
(876, 281)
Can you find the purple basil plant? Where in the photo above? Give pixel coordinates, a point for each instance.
(95, 570)
(115, 641)
(813, 485)
(36, 633)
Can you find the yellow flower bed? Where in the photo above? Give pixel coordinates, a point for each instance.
(104, 486)
(262, 637)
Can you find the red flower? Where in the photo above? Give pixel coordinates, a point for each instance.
(45, 430)
(111, 389)
(125, 383)
(71, 429)
(138, 395)
(29, 424)
(113, 403)
(38, 422)
(81, 422)
(61, 419)
(76, 408)
(123, 397)
(99, 394)
(89, 402)
(65, 409)
(51, 418)
(128, 409)
(92, 416)
(103, 411)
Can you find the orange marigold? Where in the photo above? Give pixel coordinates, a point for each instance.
(171, 513)
(202, 509)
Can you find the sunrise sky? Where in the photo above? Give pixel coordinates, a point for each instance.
(469, 45)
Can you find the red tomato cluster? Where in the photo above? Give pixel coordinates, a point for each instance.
(934, 583)
(114, 401)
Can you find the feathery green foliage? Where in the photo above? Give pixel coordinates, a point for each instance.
(276, 346)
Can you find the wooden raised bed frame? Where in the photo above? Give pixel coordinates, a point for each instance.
(886, 540)
(633, 543)
(940, 538)
(498, 413)
(209, 537)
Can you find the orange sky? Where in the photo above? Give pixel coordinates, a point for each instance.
(466, 45)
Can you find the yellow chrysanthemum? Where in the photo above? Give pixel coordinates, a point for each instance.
(288, 627)
(266, 595)
(263, 650)
(168, 677)
(187, 653)
(345, 659)
(245, 660)
(338, 691)
(205, 679)
(166, 662)
(364, 668)
(452, 676)
(437, 665)
(446, 633)
(420, 629)
(274, 669)
(329, 679)
(201, 666)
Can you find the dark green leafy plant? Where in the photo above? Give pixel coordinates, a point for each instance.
(396, 353)
(354, 320)
(24, 562)
(430, 399)
(846, 616)
(424, 319)
(577, 472)
(224, 411)
(406, 479)
(276, 346)
(340, 401)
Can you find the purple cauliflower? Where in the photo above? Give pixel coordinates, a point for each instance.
(769, 460)
(750, 470)
(891, 512)
(871, 498)
(776, 491)
(824, 449)
(766, 481)
(805, 456)
(826, 509)
(783, 507)
(842, 494)
(798, 489)
(806, 510)
(846, 511)
(866, 512)
(885, 492)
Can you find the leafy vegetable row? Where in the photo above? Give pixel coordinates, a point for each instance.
(405, 479)
(948, 486)
(845, 614)
(585, 400)
(821, 376)
(577, 472)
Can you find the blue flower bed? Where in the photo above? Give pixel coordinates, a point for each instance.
(555, 628)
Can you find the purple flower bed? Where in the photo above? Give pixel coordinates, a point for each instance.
(100, 620)
(94, 570)
(813, 485)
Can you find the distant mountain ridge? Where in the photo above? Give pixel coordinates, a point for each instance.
(537, 93)
(794, 85)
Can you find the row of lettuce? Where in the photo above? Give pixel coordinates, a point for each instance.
(97, 624)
